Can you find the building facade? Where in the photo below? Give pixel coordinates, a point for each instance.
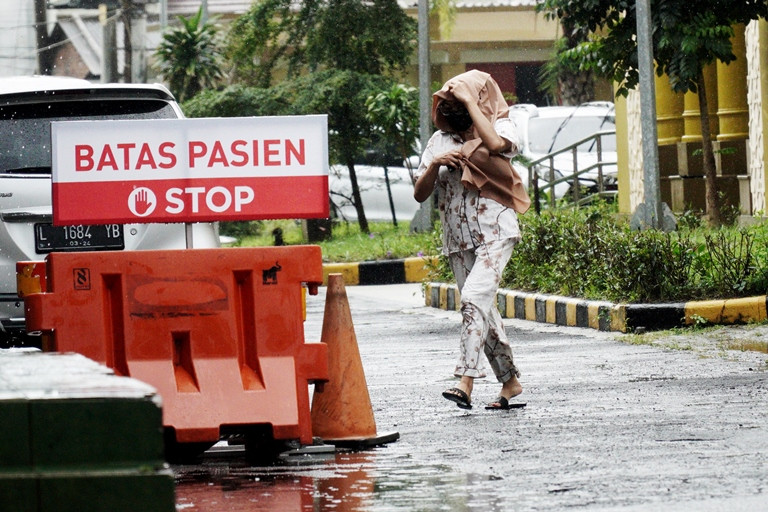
(18, 51)
(736, 95)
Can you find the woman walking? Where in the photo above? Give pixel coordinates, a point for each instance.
(467, 161)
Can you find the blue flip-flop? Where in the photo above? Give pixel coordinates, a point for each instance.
(459, 397)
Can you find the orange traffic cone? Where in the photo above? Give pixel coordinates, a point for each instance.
(341, 412)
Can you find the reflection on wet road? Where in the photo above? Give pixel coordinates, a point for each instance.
(340, 481)
(381, 479)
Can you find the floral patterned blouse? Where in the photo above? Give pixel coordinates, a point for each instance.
(468, 219)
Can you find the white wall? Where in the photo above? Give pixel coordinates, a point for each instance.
(18, 55)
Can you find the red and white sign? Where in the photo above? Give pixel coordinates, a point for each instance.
(190, 170)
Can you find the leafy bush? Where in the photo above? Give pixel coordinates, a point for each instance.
(237, 100)
(383, 241)
(593, 254)
(729, 264)
(241, 229)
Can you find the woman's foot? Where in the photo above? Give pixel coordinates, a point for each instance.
(461, 393)
(511, 388)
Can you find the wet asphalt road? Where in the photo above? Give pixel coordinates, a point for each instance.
(609, 425)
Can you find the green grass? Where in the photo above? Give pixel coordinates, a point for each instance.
(348, 243)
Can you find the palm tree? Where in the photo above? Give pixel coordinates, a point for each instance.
(189, 57)
(564, 81)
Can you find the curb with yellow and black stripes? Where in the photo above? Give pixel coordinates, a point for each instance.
(607, 316)
(554, 309)
(399, 271)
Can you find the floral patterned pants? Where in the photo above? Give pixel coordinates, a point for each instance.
(478, 274)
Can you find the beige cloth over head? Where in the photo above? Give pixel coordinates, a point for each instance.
(493, 175)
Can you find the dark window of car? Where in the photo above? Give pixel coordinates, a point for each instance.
(25, 128)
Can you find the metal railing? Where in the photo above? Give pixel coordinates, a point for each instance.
(578, 195)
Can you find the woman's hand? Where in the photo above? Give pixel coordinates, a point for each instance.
(426, 183)
(462, 93)
(449, 158)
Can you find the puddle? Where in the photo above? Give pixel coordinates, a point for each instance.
(350, 482)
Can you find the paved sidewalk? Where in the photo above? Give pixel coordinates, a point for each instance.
(610, 424)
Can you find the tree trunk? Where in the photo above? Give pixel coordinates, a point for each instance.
(389, 196)
(575, 87)
(712, 203)
(361, 220)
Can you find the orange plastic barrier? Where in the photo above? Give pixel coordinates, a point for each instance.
(218, 332)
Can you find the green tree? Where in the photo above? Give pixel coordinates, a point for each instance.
(344, 47)
(687, 36)
(239, 100)
(189, 58)
(563, 80)
(340, 94)
(395, 116)
(374, 37)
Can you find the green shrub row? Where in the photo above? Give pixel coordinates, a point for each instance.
(592, 253)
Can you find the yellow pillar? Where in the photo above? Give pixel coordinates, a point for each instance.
(669, 112)
(622, 155)
(733, 112)
(691, 114)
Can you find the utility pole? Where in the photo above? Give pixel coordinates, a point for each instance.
(422, 221)
(109, 45)
(41, 37)
(135, 29)
(138, 43)
(126, 8)
(652, 200)
(425, 96)
(163, 15)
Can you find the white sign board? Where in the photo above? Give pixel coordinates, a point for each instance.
(190, 170)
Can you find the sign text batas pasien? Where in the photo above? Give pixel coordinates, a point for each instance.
(190, 170)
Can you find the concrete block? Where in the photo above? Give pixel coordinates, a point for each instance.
(15, 453)
(689, 160)
(745, 196)
(77, 437)
(730, 157)
(687, 193)
(18, 493)
(108, 491)
(96, 432)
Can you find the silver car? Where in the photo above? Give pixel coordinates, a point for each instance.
(373, 189)
(546, 131)
(27, 107)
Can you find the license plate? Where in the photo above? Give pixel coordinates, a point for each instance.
(49, 238)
